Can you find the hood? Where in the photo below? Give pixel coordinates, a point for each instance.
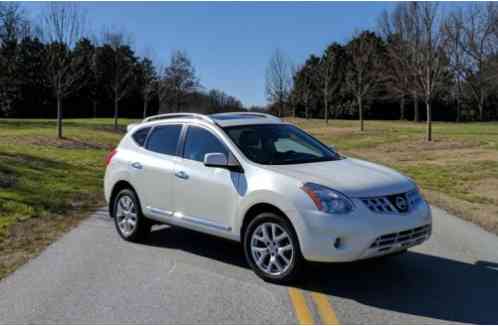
(352, 177)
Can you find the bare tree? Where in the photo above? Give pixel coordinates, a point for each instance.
(278, 80)
(179, 80)
(456, 56)
(121, 62)
(14, 24)
(63, 25)
(396, 73)
(148, 82)
(429, 62)
(330, 74)
(362, 77)
(472, 31)
(304, 82)
(403, 35)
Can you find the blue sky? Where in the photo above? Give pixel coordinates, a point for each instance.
(230, 43)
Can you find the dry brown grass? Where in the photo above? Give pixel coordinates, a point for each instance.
(27, 238)
(458, 171)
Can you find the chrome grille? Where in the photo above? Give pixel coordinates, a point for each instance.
(401, 239)
(380, 205)
(389, 204)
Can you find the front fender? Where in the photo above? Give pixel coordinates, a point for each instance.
(278, 200)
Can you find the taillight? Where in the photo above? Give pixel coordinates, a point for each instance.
(109, 157)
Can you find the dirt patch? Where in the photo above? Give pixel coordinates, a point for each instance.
(65, 143)
(487, 188)
(439, 152)
(483, 215)
(416, 146)
(25, 239)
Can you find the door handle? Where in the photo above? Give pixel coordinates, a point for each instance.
(137, 166)
(181, 175)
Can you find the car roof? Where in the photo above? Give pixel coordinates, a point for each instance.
(243, 118)
(220, 119)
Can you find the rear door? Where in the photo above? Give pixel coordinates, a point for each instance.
(205, 197)
(157, 170)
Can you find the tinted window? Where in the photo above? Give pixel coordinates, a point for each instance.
(199, 141)
(279, 144)
(164, 139)
(140, 136)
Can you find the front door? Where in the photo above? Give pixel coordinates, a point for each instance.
(204, 196)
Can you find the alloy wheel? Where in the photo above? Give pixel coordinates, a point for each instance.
(126, 215)
(272, 249)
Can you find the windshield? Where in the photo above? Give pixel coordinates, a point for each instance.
(279, 144)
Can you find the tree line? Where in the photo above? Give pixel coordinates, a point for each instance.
(420, 63)
(54, 69)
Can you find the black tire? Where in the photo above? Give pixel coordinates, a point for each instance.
(297, 261)
(143, 224)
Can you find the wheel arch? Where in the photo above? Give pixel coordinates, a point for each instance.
(118, 186)
(257, 209)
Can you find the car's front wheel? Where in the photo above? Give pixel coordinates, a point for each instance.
(272, 249)
(129, 220)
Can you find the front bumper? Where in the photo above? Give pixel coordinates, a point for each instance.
(361, 234)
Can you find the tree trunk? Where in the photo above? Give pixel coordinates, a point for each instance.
(145, 108)
(416, 116)
(360, 107)
(458, 117)
(306, 110)
(59, 117)
(481, 107)
(94, 108)
(402, 108)
(116, 112)
(429, 121)
(326, 108)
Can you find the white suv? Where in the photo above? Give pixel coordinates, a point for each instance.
(253, 178)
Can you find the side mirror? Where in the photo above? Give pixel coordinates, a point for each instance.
(220, 160)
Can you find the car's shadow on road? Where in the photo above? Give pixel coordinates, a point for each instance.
(412, 283)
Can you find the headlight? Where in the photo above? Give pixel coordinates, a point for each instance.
(415, 197)
(328, 200)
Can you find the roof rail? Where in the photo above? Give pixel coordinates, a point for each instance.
(178, 115)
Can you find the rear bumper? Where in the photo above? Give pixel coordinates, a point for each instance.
(362, 234)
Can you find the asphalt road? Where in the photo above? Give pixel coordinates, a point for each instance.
(179, 276)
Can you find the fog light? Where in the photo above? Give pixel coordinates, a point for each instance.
(337, 243)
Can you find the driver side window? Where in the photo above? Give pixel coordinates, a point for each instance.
(287, 144)
(199, 142)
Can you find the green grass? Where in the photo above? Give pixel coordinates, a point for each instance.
(43, 176)
(46, 182)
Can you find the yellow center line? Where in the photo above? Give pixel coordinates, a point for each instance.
(325, 310)
(302, 311)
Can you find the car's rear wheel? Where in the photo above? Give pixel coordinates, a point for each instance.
(272, 249)
(129, 220)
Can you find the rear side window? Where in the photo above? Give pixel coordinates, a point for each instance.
(164, 139)
(140, 136)
(199, 142)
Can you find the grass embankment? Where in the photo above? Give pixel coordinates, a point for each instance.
(47, 185)
(458, 171)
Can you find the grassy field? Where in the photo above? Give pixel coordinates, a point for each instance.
(458, 171)
(47, 185)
